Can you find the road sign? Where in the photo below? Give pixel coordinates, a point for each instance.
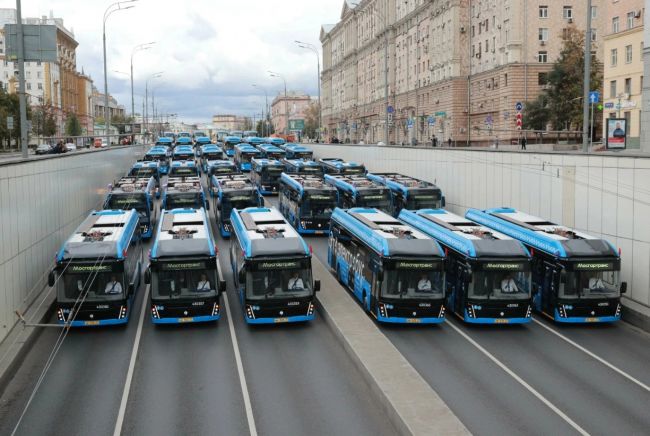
(39, 42)
(441, 114)
(594, 97)
(10, 123)
(390, 109)
(297, 125)
(409, 123)
(489, 120)
(431, 121)
(600, 107)
(609, 105)
(519, 106)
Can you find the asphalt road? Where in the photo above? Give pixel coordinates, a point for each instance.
(185, 381)
(563, 382)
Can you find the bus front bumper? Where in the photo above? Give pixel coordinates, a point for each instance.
(280, 320)
(97, 323)
(585, 319)
(186, 319)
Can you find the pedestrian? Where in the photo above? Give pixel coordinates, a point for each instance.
(449, 142)
(523, 143)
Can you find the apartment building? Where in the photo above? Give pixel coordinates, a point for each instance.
(623, 75)
(450, 68)
(292, 107)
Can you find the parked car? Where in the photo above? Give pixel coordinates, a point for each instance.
(44, 149)
(70, 146)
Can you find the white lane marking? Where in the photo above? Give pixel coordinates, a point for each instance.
(129, 375)
(519, 380)
(590, 354)
(240, 370)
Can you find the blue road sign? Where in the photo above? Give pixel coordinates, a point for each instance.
(488, 119)
(390, 109)
(431, 120)
(594, 97)
(519, 106)
(609, 105)
(409, 122)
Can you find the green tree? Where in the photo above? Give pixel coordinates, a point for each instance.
(43, 120)
(536, 114)
(311, 119)
(565, 82)
(72, 125)
(9, 107)
(121, 122)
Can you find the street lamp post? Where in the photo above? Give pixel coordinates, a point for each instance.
(313, 48)
(146, 99)
(109, 10)
(140, 47)
(286, 104)
(266, 108)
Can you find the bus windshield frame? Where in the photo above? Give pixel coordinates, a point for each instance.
(314, 205)
(132, 200)
(493, 280)
(184, 200)
(96, 281)
(589, 280)
(169, 271)
(236, 200)
(424, 199)
(401, 279)
(375, 200)
(267, 279)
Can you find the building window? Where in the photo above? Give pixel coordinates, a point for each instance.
(542, 57)
(567, 12)
(615, 25)
(542, 78)
(505, 79)
(641, 83)
(630, 20)
(614, 57)
(612, 89)
(628, 86)
(593, 35)
(39, 86)
(29, 86)
(543, 12)
(486, 46)
(628, 54)
(594, 12)
(542, 34)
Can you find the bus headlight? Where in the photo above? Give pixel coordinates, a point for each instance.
(154, 312)
(470, 311)
(60, 315)
(310, 309)
(562, 310)
(249, 312)
(382, 309)
(122, 312)
(618, 309)
(215, 309)
(442, 311)
(529, 311)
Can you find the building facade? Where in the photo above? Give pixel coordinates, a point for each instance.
(292, 107)
(99, 105)
(450, 68)
(623, 76)
(229, 122)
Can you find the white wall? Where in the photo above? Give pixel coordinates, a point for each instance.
(41, 202)
(604, 195)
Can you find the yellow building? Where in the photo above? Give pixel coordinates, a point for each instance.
(623, 56)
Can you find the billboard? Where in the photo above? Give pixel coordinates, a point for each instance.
(615, 138)
(297, 125)
(39, 41)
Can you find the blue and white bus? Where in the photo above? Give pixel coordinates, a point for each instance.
(488, 273)
(395, 271)
(146, 169)
(307, 202)
(170, 137)
(278, 142)
(133, 193)
(184, 192)
(160, 155)
(297, 151)
(183, 152)
(209, 152)
(98, 270)
(358, 191)
(252, 140)
(271, 151)
(183, 168)
(409, 193)
(184, 270)
(334, 165)
(229, 143)
(300, 166)
(265, 174)
(221, 167)
(271, 267)
(233, 191)
(243, 155)
(575, 276)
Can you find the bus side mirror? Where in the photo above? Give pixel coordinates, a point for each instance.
(444, 202)
(241, 276)
(623, 287)
(316, 285)
(207, 205)
(51, 279)
(222, 286)
(147, 276)
(151, 205)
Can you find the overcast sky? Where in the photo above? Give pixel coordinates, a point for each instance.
(211, 51)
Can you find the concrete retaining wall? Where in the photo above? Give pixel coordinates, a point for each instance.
(42, 201)
(604, 195)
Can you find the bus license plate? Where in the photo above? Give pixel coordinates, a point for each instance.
(91, 323)
(501, 321)
(187, 319)
(413, 320)
(318, 232)
(278, 320)
(592, 319)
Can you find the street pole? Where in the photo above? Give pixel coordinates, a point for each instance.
(266, 108)
(137, 48)
(587, 84)
(286, 104)
(313, 48)
(591, 125)
(21, 81)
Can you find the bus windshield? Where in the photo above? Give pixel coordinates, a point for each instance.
(246, 156)
(310, 170)
(413, 283)
(226, 169)
(236, 201)
(143, 172)
(192, 200)
(271, 173)
(156, 157)
(500, 285)
(423, 200)
(318, 205)
(590, 284)
(100, 286)
(378, 201)
(212, 155)
(171, 284)
(182, 171)
(303, 155)
(278, 284)
(128, 201)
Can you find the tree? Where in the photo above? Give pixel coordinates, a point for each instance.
(565, 82)
(10, 107)
(120, 121)
(248, 123)
(43, 120)
(536, 114)
(312, 116)
(72, 125)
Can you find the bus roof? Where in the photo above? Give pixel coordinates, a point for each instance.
(338, 164)
(554, 239)
(183, 232)
(203, 140)
(243, 147)
(306, 182)
(233, 182)
(464, 236)
(385, 234)
(266, 162)
(253, 140)
(354, 183)
(183, 184)
(232, 139)
(400, 182)
(299, 163)
(157, 151)
(206, 148)
(183, 163)
(105, 233)
(132, 184)
(263, 231)
(145, 164)
(163, 140)
(296, 147)
(274, 140)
